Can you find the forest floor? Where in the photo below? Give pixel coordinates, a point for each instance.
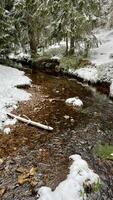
(31, 158)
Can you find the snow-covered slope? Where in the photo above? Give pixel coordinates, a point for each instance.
(73, 187)
(101, 58)
(10, 95)
(102, 54)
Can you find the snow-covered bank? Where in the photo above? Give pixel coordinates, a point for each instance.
(10, 95)
(72, 188)
(101, 59)
(87, 74)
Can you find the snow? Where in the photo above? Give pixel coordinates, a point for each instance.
(10, 95)
(101, 54)
(73, 187)
(55, 57)
(111, 89)
(19, 56)
(7, 130)
(56, 50)
(75, 101)
(101, 59)
(87, 74)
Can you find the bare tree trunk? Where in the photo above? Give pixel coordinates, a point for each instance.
(67, 46)
(30, 9)
(72, 39)
(72, 45)
(32, 39)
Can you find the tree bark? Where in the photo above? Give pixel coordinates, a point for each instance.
(67, 46)
(32, 38)
(72, 38)
(32, 33)
(72, 45)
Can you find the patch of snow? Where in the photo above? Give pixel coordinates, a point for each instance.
(19, 55)
(73, 187)
(56, 57)
(87, 73)
(101, 54)
(111, 154)
(102, 60)
(7, 130)
(55, 50)
(75, 101)
(111, 89)
(10, 95)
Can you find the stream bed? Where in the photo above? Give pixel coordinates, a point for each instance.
(76, 131)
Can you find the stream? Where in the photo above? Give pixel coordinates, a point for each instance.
(76, 131)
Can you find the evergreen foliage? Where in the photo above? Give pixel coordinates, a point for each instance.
(27, 25)
(6, 29)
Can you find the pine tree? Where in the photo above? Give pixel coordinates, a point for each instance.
(74, 20)
(30, 23)
(6, 29)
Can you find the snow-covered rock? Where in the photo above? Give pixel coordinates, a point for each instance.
(10, 95)
(73, 187)
(75, 101)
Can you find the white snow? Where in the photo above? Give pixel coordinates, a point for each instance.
(73, 187)
(10, 95)
(7, 130)
(111, 154)
(87, 73)
(55, 57)
(101, 59)
(75, 101)
(101, 54)
(19, 55)
(111, 89)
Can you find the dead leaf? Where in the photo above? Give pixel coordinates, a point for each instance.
(33, 183)
(2, 191)
(32, 171)
(20, 170)
(1, 161)
(23, 178)
(66, 117)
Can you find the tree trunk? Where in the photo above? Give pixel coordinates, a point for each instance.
(67, 47)
(72, 38)
(72, 45)
(30, 9)
(32, 39)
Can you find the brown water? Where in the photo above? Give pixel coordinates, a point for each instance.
(29, 147)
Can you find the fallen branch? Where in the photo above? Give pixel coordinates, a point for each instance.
(28, 121)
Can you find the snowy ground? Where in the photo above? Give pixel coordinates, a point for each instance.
(102, 60)
(73, 187)
(10, 95)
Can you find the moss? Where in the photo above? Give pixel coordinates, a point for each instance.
(97, 186)
(74, 62)
(69, 62)
(105, 151)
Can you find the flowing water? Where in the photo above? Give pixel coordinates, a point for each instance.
(75, 131)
